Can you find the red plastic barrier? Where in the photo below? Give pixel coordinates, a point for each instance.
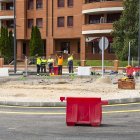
(55, 69)
(62, 99)
(83, 110)
(130, 70)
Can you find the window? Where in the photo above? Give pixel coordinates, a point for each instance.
(65, 46)
(9, 6)
(90, 1)
(60, 3)
(93, 47)
(60, 21)
(70, 3)
(39, 22)
(110, 48)
(113, 17)
(70, 21)
(95, 19)
(96, 47)
(10, 23)
(39, 4)
(30, 23)
(30, 4)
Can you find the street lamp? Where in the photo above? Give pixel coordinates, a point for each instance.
(15, 44)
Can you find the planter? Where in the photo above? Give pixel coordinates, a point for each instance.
(126, 84)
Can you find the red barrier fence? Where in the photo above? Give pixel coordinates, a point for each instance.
(80, 110)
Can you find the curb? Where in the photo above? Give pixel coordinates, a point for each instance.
(63, 104)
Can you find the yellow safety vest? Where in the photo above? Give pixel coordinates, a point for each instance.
(50, 60)
(70, 58)
(38, 61)
(43, 61)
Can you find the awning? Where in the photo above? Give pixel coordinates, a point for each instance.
(91, 39)
(95, 39)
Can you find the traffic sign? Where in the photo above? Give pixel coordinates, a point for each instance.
(106, 43)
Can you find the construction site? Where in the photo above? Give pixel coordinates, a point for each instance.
(25, 85)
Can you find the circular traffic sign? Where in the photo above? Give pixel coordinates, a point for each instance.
(106, 43)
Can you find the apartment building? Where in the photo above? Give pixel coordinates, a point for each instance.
(72, 25)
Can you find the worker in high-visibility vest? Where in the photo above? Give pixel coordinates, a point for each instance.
(50, 65)
(60, 64)
(43, 64)
(70, 63)
(38, 64)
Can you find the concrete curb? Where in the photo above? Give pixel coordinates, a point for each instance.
(63, 104)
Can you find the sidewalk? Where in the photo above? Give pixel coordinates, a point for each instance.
(46, 91)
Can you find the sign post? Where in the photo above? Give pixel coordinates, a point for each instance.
(103, 44)
(26, 65)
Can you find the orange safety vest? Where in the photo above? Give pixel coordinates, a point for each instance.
(60, 61)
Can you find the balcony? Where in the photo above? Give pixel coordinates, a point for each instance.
(101, 28)
(6, 0)
(6, 14)
(6, 9)
(102, 6)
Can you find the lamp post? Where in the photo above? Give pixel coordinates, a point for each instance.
(15, 44)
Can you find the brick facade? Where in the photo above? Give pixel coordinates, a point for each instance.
(56, 37)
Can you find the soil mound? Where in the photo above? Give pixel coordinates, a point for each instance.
(105, 80)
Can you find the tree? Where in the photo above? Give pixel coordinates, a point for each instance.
(36, 44)
(126, 30)
(11, 44)
(4, 41)
(6, 44)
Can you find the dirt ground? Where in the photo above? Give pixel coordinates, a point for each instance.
(50, 89)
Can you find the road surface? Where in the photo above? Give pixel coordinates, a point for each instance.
(120, 122)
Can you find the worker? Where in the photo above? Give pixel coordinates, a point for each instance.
(43, 64)
(38, 64)
(50, 65)
(60, 64)
(70, 63)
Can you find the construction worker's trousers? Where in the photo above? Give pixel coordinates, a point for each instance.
(50, 68)
(59, 69)
(43, 68)
(38, 69)
(70, 67)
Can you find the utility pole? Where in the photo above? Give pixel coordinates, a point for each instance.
(139, 38)
(15, 43)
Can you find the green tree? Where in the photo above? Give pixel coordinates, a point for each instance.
(126, 30)
(11, 44)
(36, 44)
(6, 45)
(3, 41)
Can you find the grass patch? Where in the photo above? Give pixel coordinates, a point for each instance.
(99, 63)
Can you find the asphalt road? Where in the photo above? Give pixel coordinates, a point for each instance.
(120, 122)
